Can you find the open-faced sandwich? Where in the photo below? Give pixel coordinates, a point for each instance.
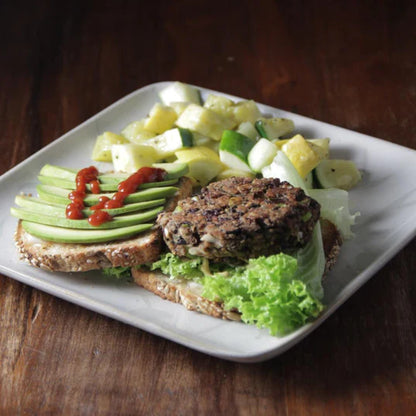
(209, 206)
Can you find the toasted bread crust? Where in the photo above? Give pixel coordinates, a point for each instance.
(180, 291)
(189, 295)
(84, 257)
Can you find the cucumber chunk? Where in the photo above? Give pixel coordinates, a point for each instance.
(180, 92)
(130, 157)
(69, 235)
(204, 121)
(103, 145)
(136, 133)
(309, 180)
(337, 173)
(274, 128)
(261, 155)
(167, 143)
(247, 128)
(234, 150)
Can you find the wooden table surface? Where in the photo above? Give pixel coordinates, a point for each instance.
(351, 64)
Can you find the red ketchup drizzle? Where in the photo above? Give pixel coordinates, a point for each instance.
(84, 176)
(124, 189)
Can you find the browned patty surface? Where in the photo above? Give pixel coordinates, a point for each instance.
(241, 218)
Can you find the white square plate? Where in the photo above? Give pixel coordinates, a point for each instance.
(386, 199)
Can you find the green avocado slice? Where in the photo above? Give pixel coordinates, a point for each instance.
(116, 222)
(60, 196)
(48, 208)
(173, 171)
(74, 236)
(104, 187)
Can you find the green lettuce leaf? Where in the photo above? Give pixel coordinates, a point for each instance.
(120, 273)
(266, 293)
(179, 267)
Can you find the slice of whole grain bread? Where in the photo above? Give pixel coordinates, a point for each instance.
(84, 257)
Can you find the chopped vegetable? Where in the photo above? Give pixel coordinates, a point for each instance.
(103, 144)
(161, 118)
(234, 150)
(335, 173)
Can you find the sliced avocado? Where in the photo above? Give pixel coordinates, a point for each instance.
(58, 172)
(74, 236)
(116, 222)
(104, 187)
(60, 196)
(38, 205)
(174, 169)
(70, 184)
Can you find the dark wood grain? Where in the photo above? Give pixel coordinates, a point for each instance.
(351, 64)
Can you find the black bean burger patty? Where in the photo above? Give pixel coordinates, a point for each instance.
(241, 218)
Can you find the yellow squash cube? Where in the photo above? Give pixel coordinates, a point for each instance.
(102, 148)
(301, 154)
(204, 164)
(246, 111)
(135, 132)
(204, 121)
(161, 118)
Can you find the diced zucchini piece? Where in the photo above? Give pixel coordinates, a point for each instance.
(160, 119)
(135, 132)
(179, 106)
(301, 154)
(222, 106)
(204, 164)
(337, 173)
(180, 92)
(102, 148)
(167, 143)
(234, 173)
(246, 111)
(130, 157)
(201, 140)
(274, 128)
(321, 146)
(204, 121)
(247, 128)
(234, 149)
(309, 180)
(261, 155)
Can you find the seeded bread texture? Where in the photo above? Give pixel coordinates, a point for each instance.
(63, 257)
